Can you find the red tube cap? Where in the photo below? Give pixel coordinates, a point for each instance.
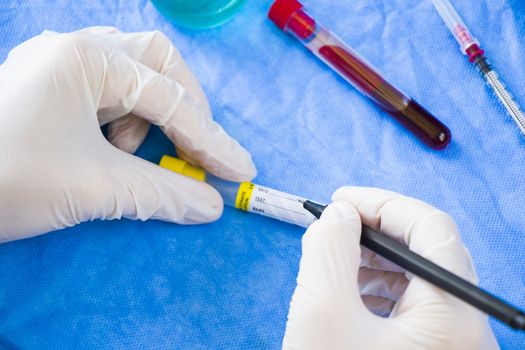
(282, 10)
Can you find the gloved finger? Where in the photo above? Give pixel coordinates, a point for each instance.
(388, 285)
(133, 87)
(326, 299)
(127, 133)
(156, 51)
(432, 234)
(164, 57)
(377, 262)
(425, 229)
(48, 32)
(96, 30)
(378, 306)
(136, 189)
(99, 30)
(182, 155)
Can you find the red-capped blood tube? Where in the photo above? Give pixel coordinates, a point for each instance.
(290, 16)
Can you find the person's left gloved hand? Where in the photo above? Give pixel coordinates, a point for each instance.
(56, 167)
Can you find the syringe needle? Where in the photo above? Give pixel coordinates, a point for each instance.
(501, 92)
(470, 47)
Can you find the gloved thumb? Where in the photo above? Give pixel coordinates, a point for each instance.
(327, 298)
(332, 245)
(137, 189)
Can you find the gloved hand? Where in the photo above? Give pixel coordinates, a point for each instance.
(332, 304)
(56, 167)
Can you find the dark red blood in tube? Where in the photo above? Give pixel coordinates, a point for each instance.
(290, 16)
(407, 111)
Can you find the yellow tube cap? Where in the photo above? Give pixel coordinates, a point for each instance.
(182, 167)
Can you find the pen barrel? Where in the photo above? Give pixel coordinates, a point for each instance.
(365, 78)
(402, 256)
(427, 270)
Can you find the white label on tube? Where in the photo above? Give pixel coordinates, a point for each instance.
(272, 203)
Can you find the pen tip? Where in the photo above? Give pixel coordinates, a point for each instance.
(315, 209)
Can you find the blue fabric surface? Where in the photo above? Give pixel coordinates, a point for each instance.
(145, 285)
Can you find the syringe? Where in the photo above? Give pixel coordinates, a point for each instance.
(302, 212)
(470, 46)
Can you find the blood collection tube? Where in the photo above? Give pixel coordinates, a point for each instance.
(248, 196)
(290, 16)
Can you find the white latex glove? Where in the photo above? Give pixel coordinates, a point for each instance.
(56, 167)
(330, 308)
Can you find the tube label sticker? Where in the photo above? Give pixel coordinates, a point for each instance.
(243, 196)
(272, 203)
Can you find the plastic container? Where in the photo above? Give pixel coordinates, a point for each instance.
(247, 196)
(291, 17)
(198, 14)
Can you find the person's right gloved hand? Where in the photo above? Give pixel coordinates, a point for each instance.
(342, 288)
(56, 167)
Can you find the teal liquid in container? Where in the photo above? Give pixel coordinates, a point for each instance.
(198, 14)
